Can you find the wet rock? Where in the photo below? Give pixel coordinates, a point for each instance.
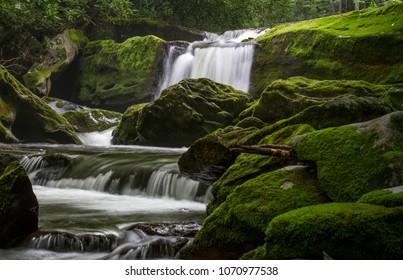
(18, 205)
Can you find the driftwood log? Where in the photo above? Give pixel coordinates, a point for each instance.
(267, 149)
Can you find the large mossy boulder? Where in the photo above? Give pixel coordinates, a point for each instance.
(360, 45)
(25, 117)
(60, 53)
(18, 205)
(115, 76)
(283, 99)
(341, 230)
(184, 113)
(355, 159)
(238, 225)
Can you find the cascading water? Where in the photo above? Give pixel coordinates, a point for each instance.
(105, 202)
(222, 58)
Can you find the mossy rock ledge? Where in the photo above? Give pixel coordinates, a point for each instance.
(184, 113)
(24, 117)
(18, 205)
(114, 76)
(347, 101)
(359, 45)
(355, 159)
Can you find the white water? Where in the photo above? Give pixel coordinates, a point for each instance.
(97, 138)
(221, 58)
(91, 199)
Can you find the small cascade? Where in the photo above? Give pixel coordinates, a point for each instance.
(97, 138)
(151, 174)
(66, 242)
(142, 246)
(222, 58)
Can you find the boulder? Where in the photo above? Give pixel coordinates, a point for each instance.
(60, 53)
(25, 117)
(390, 197)
(345, 231)
(18, 205)
(90, 120)
(184, 113)
(355, 159)
(283, 99)
(238, 225)
(346, 46)
(114, 76)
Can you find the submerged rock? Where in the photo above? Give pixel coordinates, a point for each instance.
(25, 117)
(115, 76)
(18, 205)
(184, 113)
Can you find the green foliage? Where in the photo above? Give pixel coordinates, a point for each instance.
(51, 16)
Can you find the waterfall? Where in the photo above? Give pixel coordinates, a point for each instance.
(221, 58)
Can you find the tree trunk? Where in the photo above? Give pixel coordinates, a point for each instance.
(270, 150)
(357, 4)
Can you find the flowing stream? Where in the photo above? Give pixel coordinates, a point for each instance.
(98, 201)
(110, 202)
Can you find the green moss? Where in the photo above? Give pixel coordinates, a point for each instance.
(13, 173)
(385, 198)
(186, 112)
(249, 166)
(115, 76)
(126, 131)
(349, 164)
(342, 230)
(240, 222)
(357, 23)
(369, 49)
(285, 98)
(90, 120)
(33, 119)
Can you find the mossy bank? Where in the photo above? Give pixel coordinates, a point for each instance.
(360, 45)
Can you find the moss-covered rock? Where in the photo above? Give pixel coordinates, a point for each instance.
(18, 205)
(391, 197)
(184, 113)
(115, 76)
(89, 120)
(355, 159)
(27, 117)
(238, 225)
(60, 52)
(126, 131)
(360, 45)
(283, 99)
(342, 230)
(249, 166)
(206, 159)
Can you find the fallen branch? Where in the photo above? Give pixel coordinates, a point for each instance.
(270, 150)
